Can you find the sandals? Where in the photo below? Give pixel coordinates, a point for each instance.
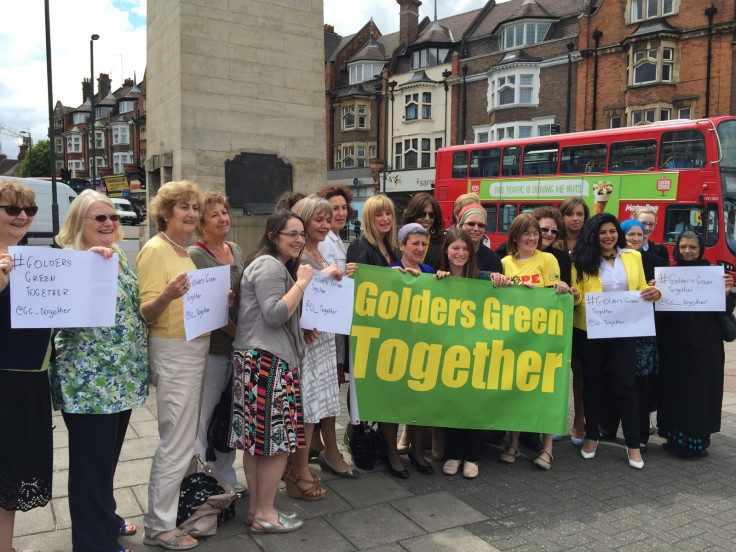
(174, 543)
(313, 492)
(509, 455)
(127, 528)
(541, 462)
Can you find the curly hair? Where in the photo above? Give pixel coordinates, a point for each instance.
(210, 197)
(168, 195)
(331, 191)
(587, 253)
(547, 211)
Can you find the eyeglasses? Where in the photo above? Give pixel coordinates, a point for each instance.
(474, 224)
(534, 235)
(14, 210)
(544, 230)
(649, 224)
(429, 214)
(294, 235)
(103, 218)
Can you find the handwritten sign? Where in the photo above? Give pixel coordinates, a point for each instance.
(206, 302)
(618, 314)
(62, 288)
(690, 288)
(328, 304)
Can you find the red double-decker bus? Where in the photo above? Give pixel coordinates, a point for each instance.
(684, 169)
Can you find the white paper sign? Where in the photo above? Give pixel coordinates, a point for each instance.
(206, 302)
(62, 288)
(618, 314)
(690, 288)
(328, 304)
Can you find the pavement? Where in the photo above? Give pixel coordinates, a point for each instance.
(600, 504)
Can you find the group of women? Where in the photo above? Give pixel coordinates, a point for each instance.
(285, 379)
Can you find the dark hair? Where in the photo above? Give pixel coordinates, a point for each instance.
(546, 211)
(331, 191)
(587, 253)
(687, 235)
(275, 224)
(470, 270)
(567, 206)
(287, 200)
(519, 225)
(415, 210)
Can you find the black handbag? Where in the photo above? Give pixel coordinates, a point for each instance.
(218, 430)
(728, 326)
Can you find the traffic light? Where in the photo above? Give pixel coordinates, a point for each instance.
(66, 176)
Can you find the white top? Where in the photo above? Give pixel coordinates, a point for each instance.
(333, 250)
(614, 278)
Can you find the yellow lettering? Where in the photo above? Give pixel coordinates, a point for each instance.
(388, 303)
(455, 366)
(405, 298)
(527, 370)
(506, 313)
(363, 336)
(420, 308)
(521, 319)
(365, 302)
(425, 364)
(539, 321)
(468, 319)
(556, 319)
(438, 312)
(392, 359)
(491, 307)
(455, 305)
(480, 354)
(498, 374)
(552, 362)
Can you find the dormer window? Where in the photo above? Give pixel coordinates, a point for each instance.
(364, 71)
(429, 57)
(523, 34)
(125, 106)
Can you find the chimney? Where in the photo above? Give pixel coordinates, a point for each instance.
(103, 86)
(128, 82)
(86, 89)
(22, 151)
(329, 28)
(408, 20)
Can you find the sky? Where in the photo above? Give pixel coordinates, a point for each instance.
(120, 50)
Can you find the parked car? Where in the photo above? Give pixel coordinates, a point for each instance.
(125, 210)
(41, 231)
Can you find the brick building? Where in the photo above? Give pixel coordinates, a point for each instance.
(652, 60)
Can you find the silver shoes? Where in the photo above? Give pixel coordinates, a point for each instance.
(287, 526)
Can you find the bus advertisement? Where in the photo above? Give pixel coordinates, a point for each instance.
(684, 170)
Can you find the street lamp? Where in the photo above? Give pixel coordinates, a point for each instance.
(385, 86)
(91, 124)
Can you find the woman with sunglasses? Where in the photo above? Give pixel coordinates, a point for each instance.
(176, 365)
(551, 230)
(99, 375)
(472, 219)
(25, 408)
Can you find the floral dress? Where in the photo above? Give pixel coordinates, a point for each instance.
(104, 370)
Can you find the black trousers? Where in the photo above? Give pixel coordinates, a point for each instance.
(614, 357)
(95, 441)
(463, 444)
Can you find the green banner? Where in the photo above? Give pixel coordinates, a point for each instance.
(460, 353)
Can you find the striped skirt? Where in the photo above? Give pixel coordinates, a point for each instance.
(267, 411)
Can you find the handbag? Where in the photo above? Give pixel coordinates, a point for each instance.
(206, 500)
(728, 326)
(218, 430)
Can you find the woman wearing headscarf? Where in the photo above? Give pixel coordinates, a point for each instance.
(691, 359)
(472, 219)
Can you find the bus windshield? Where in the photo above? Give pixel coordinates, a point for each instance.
(727, 135)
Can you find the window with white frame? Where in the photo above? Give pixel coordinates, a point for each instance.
(59, 145)
(126, 106)
(363, 71)
(119, 160)
(642, 116)
(77, 164)
(120, 135)
(514, 86)
(73, 144)
(615, 121)
(523, 34)
(684, 113)
(414, 153)
(651, 64)
(429, 57)
(99, 162)
(372, 152)
(649, 9)
(348, 157)
(354, 116)
(59, 164)
(79, 118)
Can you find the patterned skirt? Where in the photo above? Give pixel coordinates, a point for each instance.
(320, 387)
(267, 411)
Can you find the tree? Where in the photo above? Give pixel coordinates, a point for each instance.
(37, 160)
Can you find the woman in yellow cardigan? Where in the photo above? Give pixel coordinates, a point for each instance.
(601, 262)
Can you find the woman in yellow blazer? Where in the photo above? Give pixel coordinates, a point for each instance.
(601, 263)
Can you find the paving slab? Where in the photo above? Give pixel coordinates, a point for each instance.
(374, 525)
(456, 538)
(438, 511)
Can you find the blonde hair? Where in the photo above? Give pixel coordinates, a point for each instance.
(310, 206)
(210, 197)
(72, 231)
(13, 191)
(171, 193)
(373, 205)
(644, 211)
(463, 200)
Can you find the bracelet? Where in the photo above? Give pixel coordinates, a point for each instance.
(300, 287)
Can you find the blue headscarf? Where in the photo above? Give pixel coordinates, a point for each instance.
(627, 225)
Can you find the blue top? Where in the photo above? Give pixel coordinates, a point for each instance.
(423, 267)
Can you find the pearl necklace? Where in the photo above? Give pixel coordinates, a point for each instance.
(172, 242)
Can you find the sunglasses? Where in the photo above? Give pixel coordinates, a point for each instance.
(429, 214)
(103, 218)
(474, 224)
(544, 229)
(14, 210)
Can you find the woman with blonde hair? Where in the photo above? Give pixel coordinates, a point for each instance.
(99, 375)
(176, 365)
(26, 465)
(209, 251)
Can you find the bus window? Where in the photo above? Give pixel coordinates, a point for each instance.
(507, 214)
(638, 155)
(540, 159)
(729, 218)
(682, 149)
(679, 218)
(590, 158)
(491, 215)
(460, 164)
(511, 159)
(485, 163)
(727, 137)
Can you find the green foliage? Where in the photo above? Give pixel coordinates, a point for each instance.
(37, 161)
